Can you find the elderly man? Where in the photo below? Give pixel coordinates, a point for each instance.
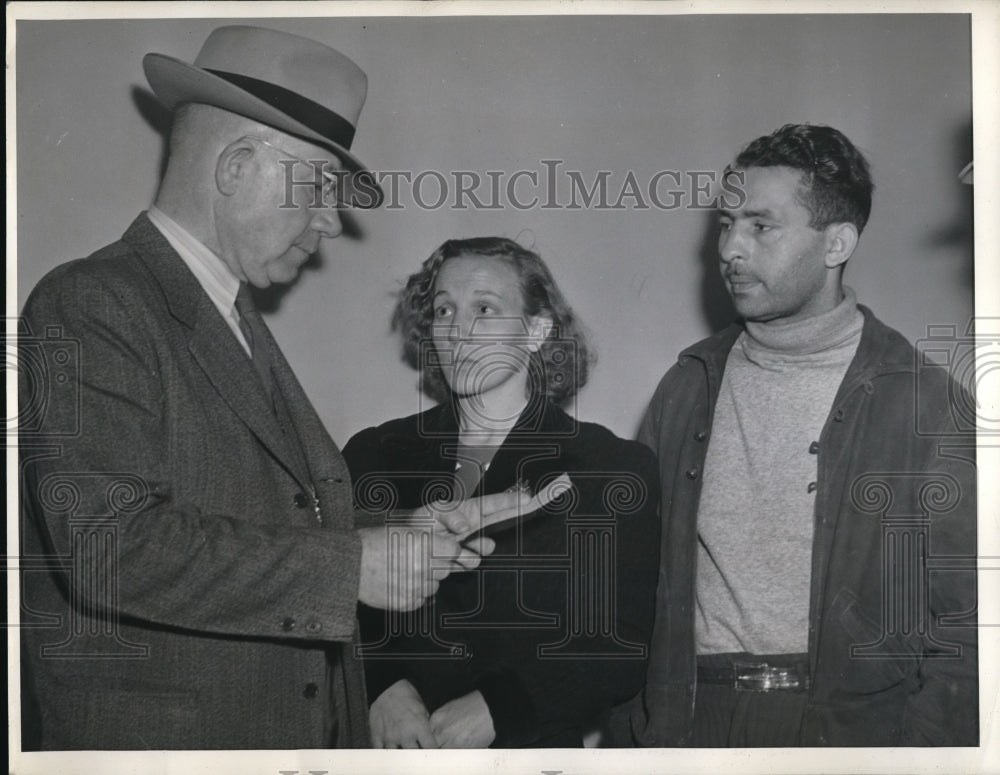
(817, 579)
(204, 560)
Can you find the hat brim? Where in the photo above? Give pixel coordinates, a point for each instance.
(175, 82)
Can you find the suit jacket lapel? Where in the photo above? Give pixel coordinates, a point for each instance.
(211, 342)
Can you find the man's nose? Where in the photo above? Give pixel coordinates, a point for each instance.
(731, 245)
(327, 222)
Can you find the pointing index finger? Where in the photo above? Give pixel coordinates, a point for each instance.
(504, 507)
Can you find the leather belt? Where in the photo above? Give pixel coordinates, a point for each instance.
(750, 675)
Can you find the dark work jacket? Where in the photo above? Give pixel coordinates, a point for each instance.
(553, 627)
(892, 624)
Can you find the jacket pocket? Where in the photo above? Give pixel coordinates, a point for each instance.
(859, 653)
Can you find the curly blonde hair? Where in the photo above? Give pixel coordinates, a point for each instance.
(560, 367)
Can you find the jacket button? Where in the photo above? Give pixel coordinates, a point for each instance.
(700, 436)
(814, 448)
(869, 388)
(838, 416)
(691, 473)
(310, 691)
(811, 487)
(288, 624)
(314, 627)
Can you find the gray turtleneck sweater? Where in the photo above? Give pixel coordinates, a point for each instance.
(755, 517)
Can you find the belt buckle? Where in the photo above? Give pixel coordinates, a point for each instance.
(762, 677)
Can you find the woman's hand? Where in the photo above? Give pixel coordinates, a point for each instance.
(464, 722)
(399, 719)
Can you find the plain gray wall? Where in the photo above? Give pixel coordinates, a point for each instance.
(640, 94)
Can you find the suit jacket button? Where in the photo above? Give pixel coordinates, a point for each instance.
(700, 436)
(300, 500)
(310, 691)
(288, 624)
(814, 448)
(692, 473)
(314, 627)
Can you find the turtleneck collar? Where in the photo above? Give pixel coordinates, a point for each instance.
(821, 333)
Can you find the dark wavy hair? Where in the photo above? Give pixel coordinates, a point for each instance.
(560, 366)
(836, 178)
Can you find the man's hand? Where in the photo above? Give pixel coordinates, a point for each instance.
(464, 722)
(399, 719)
(403, 563)
(464, 518)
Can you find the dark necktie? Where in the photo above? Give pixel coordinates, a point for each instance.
(252, 326)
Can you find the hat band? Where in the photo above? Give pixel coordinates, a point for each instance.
(319, 119)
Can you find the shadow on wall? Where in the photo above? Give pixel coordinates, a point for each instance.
(956, 234)
(269, 299)
(716, 307)
(158, 118)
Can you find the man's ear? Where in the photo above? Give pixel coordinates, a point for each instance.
(841, 239)
(232, 165)
(539, 328)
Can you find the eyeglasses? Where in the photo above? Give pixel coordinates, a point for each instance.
(327, 184)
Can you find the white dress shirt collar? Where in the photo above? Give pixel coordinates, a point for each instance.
(212, 274)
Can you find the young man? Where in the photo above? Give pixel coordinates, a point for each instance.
(810, 490)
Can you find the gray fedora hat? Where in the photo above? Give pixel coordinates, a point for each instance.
(291, 83)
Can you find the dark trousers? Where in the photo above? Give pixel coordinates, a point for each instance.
(727, 717)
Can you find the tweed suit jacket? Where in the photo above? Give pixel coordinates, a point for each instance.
(190, 580)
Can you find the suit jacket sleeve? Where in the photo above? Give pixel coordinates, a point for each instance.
(179, 562)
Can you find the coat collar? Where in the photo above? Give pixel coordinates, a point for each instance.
(180, 288)
(881, 350)
(542, 426)
(539, 418)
